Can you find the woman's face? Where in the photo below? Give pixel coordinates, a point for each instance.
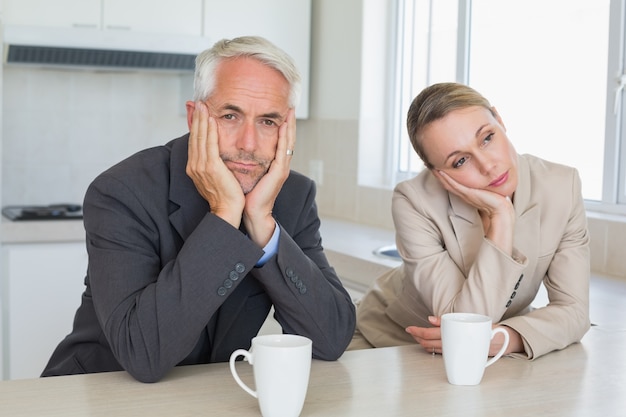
(471, 146)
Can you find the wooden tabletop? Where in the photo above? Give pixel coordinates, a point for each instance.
(586, 379)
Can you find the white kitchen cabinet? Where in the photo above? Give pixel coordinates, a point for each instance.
(42, 287)
(181, 17)
(287, 23)
(53, 13)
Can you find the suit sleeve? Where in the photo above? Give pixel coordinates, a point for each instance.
(307, 295)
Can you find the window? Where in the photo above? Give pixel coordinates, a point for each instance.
(549, 67)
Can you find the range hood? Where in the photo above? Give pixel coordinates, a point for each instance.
(102, 49)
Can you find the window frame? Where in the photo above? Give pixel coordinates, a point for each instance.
(614, 168)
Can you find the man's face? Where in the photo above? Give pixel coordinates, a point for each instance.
(249, 102)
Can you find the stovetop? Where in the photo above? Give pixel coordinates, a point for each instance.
(50, 212)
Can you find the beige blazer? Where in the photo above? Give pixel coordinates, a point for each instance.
(450, 266)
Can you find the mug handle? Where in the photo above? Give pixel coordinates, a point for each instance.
(504, 345)
(248, 356)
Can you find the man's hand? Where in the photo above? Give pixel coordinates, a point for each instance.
(257, 214)
(213, 180)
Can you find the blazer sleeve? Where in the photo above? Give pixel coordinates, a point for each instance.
(307, 295)
(565, 319)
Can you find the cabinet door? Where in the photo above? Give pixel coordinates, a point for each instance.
(287, 23)
(181, 17)
(42, 291)
(53, 13)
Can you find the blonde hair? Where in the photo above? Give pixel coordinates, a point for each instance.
(434, 103)
(246, 46)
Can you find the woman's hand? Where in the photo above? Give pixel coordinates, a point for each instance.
(496, 211)
(428, 337)
(516, 345)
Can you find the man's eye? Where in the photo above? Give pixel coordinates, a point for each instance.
(229, 116)
(268, 122)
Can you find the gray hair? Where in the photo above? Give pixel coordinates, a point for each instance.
(254, 47)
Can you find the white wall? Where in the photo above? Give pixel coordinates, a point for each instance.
(331, 138)
(62, 128)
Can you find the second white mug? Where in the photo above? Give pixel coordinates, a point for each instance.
(466, 338)
(281, 366)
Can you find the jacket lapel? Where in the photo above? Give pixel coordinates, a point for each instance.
(468, 230)
(527, 225)
(187, 206)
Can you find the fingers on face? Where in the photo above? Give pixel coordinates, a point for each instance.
(286, 137)
(203, 138)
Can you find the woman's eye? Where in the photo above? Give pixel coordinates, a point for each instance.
(488, 138)
(460, 162)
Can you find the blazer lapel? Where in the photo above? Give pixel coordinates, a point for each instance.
(527, 225)
(468, 230)
(188, 207)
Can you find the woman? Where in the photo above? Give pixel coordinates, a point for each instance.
(479, 231)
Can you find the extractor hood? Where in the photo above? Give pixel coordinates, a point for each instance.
(103, 49)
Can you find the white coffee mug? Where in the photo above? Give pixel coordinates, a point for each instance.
(466, 338)
(281, 366)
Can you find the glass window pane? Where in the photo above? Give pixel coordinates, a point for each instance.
(427, 52)
(543, 65)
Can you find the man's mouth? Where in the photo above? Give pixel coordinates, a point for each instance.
(241, 166)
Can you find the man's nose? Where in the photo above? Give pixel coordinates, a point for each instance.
(248, 137)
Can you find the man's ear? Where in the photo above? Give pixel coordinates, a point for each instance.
(191, 106)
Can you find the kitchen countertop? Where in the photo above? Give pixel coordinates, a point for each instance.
(41, 231)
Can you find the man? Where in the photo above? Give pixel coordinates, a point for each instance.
(191, 243)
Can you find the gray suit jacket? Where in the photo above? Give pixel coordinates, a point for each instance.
(449, 266)
(169, 283)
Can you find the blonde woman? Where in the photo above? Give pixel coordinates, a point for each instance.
(479, 230)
